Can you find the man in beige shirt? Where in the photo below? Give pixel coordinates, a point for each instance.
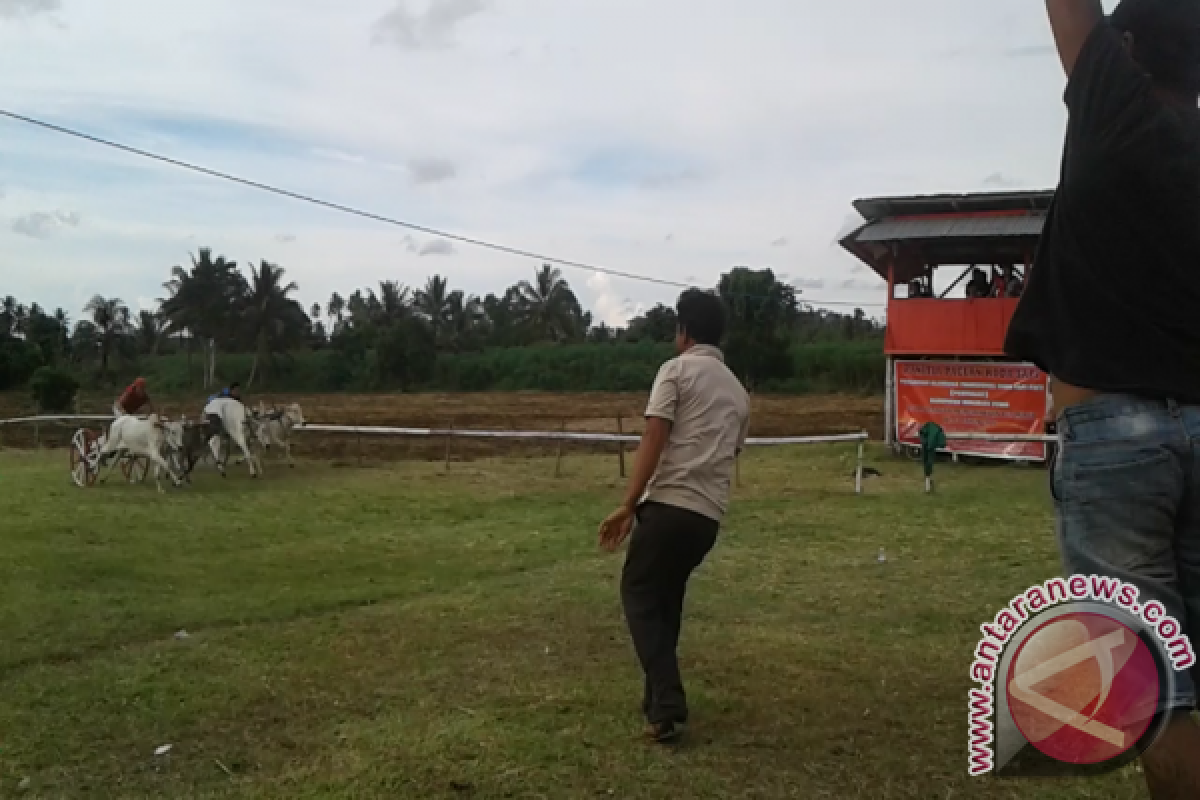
(696, 424)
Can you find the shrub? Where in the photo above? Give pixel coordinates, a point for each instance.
(53, 389)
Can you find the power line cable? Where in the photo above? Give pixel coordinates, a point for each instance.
(499, 248)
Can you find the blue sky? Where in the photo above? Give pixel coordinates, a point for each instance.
(676, 138)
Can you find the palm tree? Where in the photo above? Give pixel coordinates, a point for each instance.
(64, 331)
(548, 305)
(111, 318)
(335, 309)
(268, 311)
(358, 308)
(433, 302)
(8, 316)
(205, 301)
(394, 299)
(466, 317)
(150, 331)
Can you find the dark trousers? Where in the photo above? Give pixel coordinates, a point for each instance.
(667, 545)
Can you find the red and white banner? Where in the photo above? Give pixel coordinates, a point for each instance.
(966, 397)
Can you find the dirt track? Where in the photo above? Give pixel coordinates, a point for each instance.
(593, 412)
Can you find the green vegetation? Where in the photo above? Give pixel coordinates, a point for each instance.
(220, 323)
(404, 633)
(622, 366)
(53, 389)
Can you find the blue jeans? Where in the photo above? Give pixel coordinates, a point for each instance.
(1126, 486)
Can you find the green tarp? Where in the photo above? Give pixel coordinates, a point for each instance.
(933, 438)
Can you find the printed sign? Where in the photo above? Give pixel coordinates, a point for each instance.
(973, 398)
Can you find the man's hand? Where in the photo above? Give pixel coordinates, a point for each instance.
(1073, 22)
(616, 528)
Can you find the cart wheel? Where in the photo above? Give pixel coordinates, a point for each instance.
(135, 469)
(912, 452)
(83, 474)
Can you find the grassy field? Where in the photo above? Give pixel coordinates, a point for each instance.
(400, 632)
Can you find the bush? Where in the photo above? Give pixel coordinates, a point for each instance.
(406, 355)
(18, 360)
(52, 389)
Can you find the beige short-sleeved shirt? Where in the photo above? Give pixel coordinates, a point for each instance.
(709, 413)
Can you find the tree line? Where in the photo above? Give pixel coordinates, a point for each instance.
(224, 322)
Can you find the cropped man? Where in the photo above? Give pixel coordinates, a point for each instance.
(1111, 310)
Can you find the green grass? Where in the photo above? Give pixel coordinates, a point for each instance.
(404, 633)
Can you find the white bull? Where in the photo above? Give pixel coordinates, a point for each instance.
(139, 437)
(274, 428)
(235, 425)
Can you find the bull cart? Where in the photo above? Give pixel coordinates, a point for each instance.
(86, 447)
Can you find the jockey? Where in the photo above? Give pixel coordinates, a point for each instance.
(133, 400)
(233, 391)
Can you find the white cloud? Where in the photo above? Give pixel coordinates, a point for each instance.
(780, 242)
(564, 144)
(607, 305)
(671, 179)
(809, 283)
(432, 28)
(43, 224)
(20, 8)
(438, 247)
(431, 170)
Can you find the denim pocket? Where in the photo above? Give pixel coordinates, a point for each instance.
(1104, 472)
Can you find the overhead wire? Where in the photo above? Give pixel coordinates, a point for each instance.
(345, 209)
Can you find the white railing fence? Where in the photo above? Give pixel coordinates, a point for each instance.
(560, 437)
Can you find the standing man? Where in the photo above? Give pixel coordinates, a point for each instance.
(1111, 311)
(696, 424)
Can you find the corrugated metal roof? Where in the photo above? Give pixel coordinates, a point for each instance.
(899, 230)
(878, 208)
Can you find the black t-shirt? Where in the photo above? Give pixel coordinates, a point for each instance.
(1113, 300)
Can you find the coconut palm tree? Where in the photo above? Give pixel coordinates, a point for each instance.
(335, 310)
(467, 319)
(548, 305)
(111, 318)
(205, 302)
(395, 299)
(433, 303)
(150, 329)
(8, 316)
(269, 312)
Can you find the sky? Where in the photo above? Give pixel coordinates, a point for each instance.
(671, 138)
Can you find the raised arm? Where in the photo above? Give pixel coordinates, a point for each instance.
(1073, 22)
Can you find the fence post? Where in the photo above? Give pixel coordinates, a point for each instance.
(449, 439)
(858, 471)
(37, 436)
(621, 445)
(358, 438)
(558, 458)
